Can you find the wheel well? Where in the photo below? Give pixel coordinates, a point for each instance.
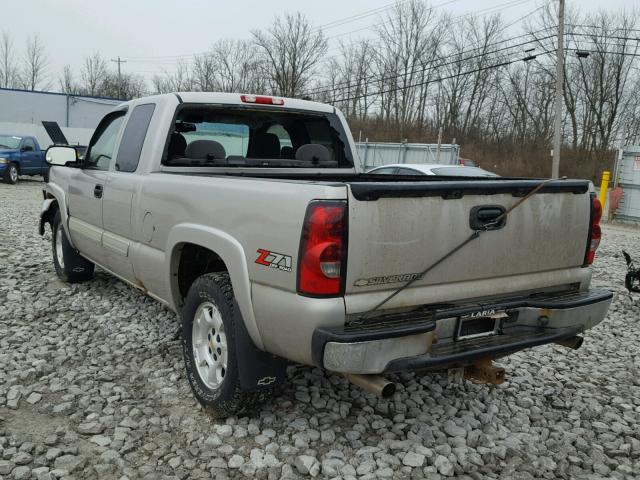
(17, 165)
(195, 261)
(49, 215)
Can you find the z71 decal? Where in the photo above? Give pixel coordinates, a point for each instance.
(274, 260)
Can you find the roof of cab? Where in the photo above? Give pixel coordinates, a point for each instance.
(234, 99)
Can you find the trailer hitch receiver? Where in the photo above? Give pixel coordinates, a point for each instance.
(483, 371)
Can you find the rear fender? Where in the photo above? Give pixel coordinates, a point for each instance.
(231, 253)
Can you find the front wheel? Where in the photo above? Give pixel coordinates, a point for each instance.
(209, 348)
(70, 266)
(11, 174)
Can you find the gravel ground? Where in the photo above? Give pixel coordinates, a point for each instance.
(92, 386)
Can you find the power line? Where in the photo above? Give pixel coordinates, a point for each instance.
(488, 10)
(628, 54)
(589, 35)
(437, 80)
(361, 15)
(468, 72)
(348, 84)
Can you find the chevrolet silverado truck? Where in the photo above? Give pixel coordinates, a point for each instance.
(246, 215)
(20, 155)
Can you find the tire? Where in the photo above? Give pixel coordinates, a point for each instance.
(45, 175)
(215, 385)
(11, 174)
(70, 266)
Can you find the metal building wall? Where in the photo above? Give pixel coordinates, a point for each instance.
(22, 111)
(376, 154)
(627, 176)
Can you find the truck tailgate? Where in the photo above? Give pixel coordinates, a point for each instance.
(397, 230)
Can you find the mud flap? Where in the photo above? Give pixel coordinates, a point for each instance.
(257, 369)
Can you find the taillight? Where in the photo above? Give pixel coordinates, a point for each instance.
(323, 249)
(261, 99)
(595, 232)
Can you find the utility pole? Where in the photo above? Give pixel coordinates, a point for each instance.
(119, 62)
(557, 134)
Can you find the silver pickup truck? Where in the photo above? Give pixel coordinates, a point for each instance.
(248, 217)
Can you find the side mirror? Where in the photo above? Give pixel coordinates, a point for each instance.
(60, 155)
(27, 148)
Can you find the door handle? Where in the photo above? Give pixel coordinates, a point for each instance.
(482, 217)
(97, 191)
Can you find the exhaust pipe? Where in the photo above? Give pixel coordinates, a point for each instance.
(573, 343)
(376, 384)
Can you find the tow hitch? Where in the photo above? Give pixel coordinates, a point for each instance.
(483, 371)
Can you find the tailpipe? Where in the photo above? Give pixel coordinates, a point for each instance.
(573, 343)
(376, 384)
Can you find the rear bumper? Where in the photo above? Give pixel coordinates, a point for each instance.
(426, 339)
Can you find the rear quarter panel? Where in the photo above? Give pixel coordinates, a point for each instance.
(235, 216)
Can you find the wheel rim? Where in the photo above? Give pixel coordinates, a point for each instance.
(209, 345)
(13, 172)
(59, 253)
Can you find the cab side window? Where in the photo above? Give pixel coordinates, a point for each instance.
(28, 145)
(103, 142)
(133, 138)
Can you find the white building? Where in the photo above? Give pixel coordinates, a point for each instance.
(22, 111)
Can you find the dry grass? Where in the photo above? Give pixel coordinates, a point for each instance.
(532, 161)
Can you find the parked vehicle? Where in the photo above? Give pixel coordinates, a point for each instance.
(431, 169)
(467, 162)
(20, 155)
(245, 215)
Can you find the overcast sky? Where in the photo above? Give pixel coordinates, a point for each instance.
(142, 31)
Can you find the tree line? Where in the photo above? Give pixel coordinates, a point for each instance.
(421, 74)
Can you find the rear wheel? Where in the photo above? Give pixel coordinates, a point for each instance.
(11, 173)
(209, 348)
(69, 264)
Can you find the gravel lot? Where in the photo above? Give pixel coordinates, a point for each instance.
(92, 386)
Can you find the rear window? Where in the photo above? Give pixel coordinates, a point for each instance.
(462, 172)
(208, 135)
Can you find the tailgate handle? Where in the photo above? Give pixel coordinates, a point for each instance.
(481, 217)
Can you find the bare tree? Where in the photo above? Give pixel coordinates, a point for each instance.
(606, 73)
(8, 71)
(204, 71)
(236, 66)
(130, 86)
(67, 81)
(352, 72)
(291, 50)
(409, 39)
(180, 80)
(34, 72)
(93, 74)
